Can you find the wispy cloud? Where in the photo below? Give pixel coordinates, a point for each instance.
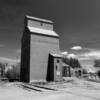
(69, 55)
(86, 53)
(93, 54)
(64, 53)
(72, 55)
(76, 48)
(9, 60)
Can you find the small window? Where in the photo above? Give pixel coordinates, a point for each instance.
(56, 68)
(57, 61)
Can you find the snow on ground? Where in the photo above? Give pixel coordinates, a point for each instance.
(72, 89)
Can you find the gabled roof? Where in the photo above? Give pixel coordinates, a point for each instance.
(42, 31)
(56, 55)
(38, 19)
(64, 64)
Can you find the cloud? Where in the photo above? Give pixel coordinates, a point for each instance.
(84, 58)
(86, 53)
(64, 53)
(93, 54)
(9, 60)
(76, 48)
(69, 55)
(72, 56)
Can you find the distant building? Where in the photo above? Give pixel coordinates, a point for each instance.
(78, 72)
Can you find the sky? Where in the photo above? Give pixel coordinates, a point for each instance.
(76, 21)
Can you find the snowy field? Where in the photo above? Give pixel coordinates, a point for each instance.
(72, 89)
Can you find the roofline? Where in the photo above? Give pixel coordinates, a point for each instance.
(39, 19)
(55, 56)
(43, 34)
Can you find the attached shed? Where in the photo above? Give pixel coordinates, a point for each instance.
(54, 71)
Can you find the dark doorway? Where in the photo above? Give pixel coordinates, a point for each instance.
(66, 71)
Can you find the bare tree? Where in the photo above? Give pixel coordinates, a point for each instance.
(74, 63)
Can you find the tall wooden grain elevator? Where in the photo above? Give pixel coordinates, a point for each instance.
(40, 43)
